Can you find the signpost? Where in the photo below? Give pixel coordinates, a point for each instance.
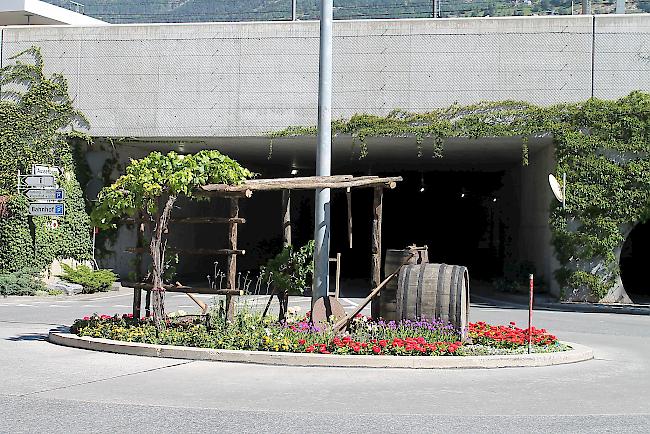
(56, 194)
(41, 188)
(39, 169)
(38, 181)
(47, 209)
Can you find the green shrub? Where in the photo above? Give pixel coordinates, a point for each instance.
(91, 280)
(21, 282)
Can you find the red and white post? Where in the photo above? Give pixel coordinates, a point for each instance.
(530, 312)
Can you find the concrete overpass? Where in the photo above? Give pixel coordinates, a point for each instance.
(223, 85)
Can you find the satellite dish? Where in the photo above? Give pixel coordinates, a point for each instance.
(555, 186)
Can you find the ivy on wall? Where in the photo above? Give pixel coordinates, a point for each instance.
(602, 146)
(37, 124)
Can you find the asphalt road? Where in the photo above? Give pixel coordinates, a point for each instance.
(49, 388)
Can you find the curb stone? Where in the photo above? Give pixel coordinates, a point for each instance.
(569, 306)
(578, 353)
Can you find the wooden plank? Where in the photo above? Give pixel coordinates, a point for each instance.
(232, 259)
(200, 220)
(243, 193)
(185, 289)
(306, 184)
(286, 217)
(375, 266)
(206, 252)
(300, 179)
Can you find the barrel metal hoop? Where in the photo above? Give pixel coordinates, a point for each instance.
(453, 289)
(418, 300)
(459, 305)
(441, 278)
(405, 288)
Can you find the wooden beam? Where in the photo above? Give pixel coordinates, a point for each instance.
(286, 217)
(299, 179)
(243, 193)
(184, 289)
(202, 252)
(232, 259)
(308, 183)
(204, 307)
(137, 302)
(375, 266)
(343, 323)
(348, 194)
(199, 220)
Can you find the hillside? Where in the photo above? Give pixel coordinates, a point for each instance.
(149, 11)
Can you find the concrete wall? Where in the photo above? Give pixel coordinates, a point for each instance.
(244, 79)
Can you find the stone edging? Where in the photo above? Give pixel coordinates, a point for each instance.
(577, 354)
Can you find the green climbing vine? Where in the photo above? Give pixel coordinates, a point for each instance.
(38, 122)
(602, 146)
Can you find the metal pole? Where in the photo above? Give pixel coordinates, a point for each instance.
(530, 312)
(434, 11)
(620, 6)
(586, 7)
(323, 155)
(293, 10)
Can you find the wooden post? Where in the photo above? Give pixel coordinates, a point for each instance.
(232, 258)
(147, 305)
(286, 217)
(375, 266)
(338, 276)
(348, 195)
(137, 302)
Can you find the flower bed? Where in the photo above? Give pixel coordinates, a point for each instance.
(251, 332)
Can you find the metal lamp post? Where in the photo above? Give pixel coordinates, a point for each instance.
(323, 154)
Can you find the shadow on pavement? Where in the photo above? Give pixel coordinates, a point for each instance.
(38, 336)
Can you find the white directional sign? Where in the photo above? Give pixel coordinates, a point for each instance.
(47, 209)
(46, 193)
(39, 181)
(40, 169)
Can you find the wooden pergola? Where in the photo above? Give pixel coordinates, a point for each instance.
(246, 190)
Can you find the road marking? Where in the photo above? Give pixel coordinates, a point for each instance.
(120, 305)
(107, 297)
(56, 305)
(350, 302)
(90, 305)
(24, 305)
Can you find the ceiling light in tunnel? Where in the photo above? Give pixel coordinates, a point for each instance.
(294, 172)
(494, 199)
(462, 195)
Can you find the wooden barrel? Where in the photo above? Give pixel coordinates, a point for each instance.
(434, 291)
(394, 259)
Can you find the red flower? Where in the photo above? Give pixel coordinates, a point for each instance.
(310, 349)
(302, 342)
(376, 349)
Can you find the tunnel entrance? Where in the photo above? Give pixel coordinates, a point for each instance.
(457, 214)
(635, 259)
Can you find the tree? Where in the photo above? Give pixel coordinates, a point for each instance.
(152, 185)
